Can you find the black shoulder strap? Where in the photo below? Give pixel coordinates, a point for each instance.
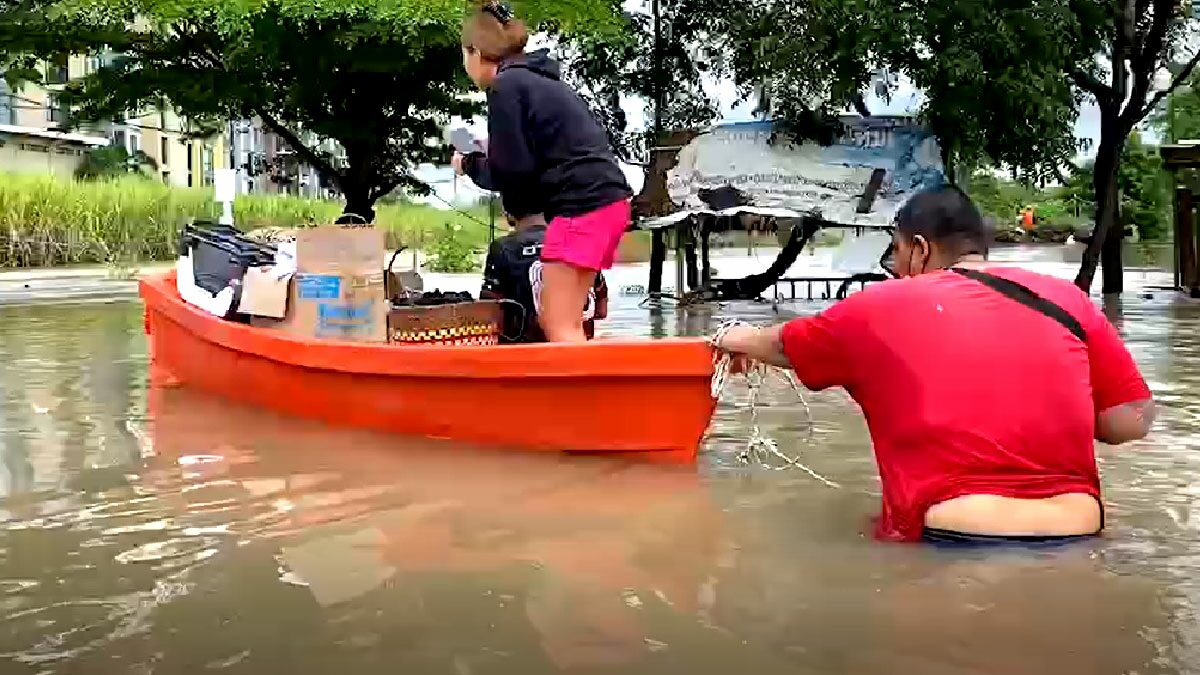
(1014, 291)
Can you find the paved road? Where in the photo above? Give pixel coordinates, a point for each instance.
(87, 284)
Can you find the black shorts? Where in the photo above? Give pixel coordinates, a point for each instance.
(951, 538)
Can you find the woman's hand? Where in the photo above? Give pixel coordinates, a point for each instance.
(458, 161)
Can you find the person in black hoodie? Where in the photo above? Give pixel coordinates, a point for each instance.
(546, 154)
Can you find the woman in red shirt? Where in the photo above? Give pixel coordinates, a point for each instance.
(983, 386)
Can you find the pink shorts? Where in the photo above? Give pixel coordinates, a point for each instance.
(588, 241)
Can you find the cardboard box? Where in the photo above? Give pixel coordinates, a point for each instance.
(338, 290)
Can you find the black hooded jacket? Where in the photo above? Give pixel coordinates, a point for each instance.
(546, 152)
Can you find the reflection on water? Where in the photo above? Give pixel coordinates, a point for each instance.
(165, 531)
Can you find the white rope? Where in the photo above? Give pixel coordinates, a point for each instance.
(760, 448)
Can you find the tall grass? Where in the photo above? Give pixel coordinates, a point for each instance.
(45, 221)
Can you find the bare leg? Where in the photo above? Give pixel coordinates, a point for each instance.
(564, 295)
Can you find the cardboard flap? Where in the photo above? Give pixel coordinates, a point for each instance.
(339, 248)
(265, 293)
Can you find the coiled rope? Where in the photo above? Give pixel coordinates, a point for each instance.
(760, 449)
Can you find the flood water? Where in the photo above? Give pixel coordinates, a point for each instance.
(162, 531)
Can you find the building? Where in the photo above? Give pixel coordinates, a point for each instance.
(33, 137)
(266, 164)
(180, 159)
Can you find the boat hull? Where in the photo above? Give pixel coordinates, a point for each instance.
(629, 396)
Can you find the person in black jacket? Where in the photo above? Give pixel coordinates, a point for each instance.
(546, 154)
(512, 272)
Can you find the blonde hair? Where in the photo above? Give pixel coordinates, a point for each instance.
(494, 40)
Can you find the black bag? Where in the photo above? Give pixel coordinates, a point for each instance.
(220, 257)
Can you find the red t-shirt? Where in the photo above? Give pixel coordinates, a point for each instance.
(966, 391)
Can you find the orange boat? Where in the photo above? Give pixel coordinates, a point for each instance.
(628, 396)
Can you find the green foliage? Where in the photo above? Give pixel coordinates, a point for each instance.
(1145, 198)
(113, 161)
(452, 252)
(1000, 199)
(627, 62)
(992, 70)
(45, 221)
(1145, 195)
(1179, 117)
(381, 77)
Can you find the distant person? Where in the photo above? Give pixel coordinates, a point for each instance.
(546, 154)
(513, 271)
(983, 385)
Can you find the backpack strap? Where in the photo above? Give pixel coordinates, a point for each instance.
(1022, 294)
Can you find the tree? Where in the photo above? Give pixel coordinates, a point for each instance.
(113, 161)
(1140, 39)
(380, 77)
(1145, 205)
(1003, 80)
(991, 71)
(1179, 116)
(1143, 188)
(661, 59)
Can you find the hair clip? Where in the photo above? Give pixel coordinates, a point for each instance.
(501, 11)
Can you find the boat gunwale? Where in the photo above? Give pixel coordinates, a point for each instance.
(604, 358)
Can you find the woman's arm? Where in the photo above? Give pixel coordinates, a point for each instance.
(475, 166)
(511, 164)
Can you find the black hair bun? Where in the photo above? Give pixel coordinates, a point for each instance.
(500, 10)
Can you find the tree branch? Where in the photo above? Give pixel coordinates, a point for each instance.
(317, 161)
(1144, 61)
(860, 105)
(1088, 82)
(385, 187)
(1181, 77)
(1122, 44)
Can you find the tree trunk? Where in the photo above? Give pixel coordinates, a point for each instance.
(359, 201)
(1113, 276)
(1107, 206)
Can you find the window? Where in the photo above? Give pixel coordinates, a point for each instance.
(206, 162)
(164, 155)
(135, 143)
(191, 165)
(56, 110)
(57, 70)
(8, 113)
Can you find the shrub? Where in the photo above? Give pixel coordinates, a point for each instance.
(452, 252)
(46, 221)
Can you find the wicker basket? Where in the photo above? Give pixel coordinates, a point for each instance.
(463, 323)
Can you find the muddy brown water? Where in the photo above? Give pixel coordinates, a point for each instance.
(150, 531)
